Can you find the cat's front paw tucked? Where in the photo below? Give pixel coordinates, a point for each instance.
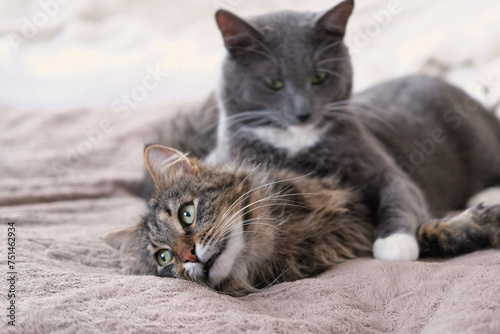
(398, 246)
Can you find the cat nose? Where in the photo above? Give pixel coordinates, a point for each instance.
(301, 108)
(189, 255)
(303, 117)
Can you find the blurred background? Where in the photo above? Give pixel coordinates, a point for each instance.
(57, 54)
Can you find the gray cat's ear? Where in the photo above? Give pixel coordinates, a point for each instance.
(239, 36)
(120, 239)
(334, 21)
(161, 159)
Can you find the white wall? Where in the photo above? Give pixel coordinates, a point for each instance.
(61, 53)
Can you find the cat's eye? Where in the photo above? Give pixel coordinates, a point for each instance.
(274, 84)
(186, 214)
(164, 256)
(319, 78)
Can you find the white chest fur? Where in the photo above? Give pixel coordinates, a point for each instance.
(293, 139)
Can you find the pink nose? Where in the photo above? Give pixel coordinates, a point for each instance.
(189, 255)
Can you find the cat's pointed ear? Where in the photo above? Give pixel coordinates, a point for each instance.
(120, 239)
(334, 21)
(161, 159)
(239, 36)
(129, 242)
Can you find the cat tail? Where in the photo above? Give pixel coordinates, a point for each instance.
(191, 131)
(474, 229)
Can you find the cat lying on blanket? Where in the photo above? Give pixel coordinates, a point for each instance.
(337, 176)
(237, 229)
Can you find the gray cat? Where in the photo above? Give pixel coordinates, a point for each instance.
(415, 147)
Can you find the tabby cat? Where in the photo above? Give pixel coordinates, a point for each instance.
(238, 229)
(415, 147)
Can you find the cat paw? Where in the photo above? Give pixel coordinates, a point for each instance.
(398, 246)
(489, 196)
(488, 218)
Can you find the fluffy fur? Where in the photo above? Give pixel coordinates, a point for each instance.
(255, 226)
(416, 147)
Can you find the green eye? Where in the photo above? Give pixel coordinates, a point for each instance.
(274, 84)
(164, 257)
(319, 78)
(186, 214)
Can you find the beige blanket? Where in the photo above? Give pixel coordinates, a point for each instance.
(68, 177)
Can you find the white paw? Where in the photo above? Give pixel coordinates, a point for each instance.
(399, 246)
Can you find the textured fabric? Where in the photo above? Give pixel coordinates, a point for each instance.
(70, 282)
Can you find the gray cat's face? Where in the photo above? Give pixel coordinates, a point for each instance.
(283, 69)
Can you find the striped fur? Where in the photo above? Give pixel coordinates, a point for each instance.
(267, 225)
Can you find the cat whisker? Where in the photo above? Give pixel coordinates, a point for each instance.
(338, 108)
(224, 227)
(250, 222)
(232, 228)
(245, 232)
(256, 112)
(353, 105)
(356, 102)
(253, 190)
(329, 60)
(211, 125)
(341, 102)
(341, 114)
(364, 118)
(276, 279)
(331, 72)
(249, 115)
(227, 224)
(273, 196)
(242, 181)
(222, 223)
(251, 119)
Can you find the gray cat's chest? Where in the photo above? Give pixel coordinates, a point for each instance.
(291, 141)
(307, 150)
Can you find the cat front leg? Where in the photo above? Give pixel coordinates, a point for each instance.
(402, 209)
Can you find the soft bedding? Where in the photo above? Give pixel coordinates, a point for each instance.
(68, 177)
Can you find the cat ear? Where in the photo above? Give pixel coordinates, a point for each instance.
(130, 243)
(160, 159)
(334, 21)
(239, 36)
(120, 239)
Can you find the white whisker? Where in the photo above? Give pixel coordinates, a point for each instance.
(329, 60)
